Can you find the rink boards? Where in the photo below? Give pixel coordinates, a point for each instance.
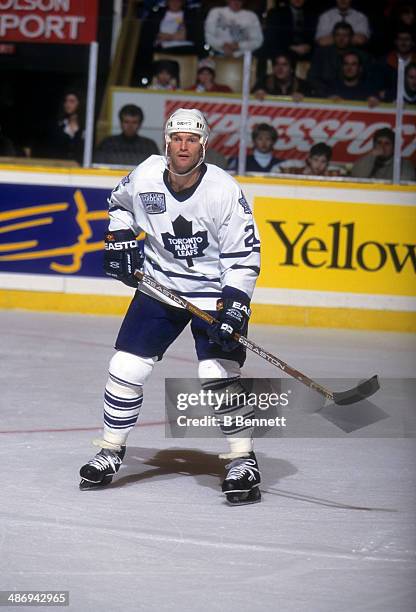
(333, 254)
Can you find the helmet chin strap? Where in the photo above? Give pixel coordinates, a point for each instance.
(201, 160)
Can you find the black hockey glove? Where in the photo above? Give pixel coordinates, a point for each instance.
(233, 316)
(122, 256)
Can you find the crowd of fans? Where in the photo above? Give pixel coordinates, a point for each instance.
(351, 53)
(348, 51)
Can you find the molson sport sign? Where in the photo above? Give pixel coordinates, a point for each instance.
(48, 21)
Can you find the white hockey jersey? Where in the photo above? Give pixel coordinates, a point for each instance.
(197, 241)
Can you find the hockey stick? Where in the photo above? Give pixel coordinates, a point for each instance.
(356, 394)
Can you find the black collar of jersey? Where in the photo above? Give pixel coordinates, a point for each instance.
(183, 195)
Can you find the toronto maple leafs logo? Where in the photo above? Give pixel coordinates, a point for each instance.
(245, 204)
(183, 244)
(122, 183)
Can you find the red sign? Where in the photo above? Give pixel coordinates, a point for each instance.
(348, 130)
(48, 21)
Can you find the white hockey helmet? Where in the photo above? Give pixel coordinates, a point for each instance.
(188, 120)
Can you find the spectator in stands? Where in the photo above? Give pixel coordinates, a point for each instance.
(165, 75)
(174, 28)
(205, 79)
(327, 61)
(263, 158)
(404, 48)
(379, 163)
(231, 30)
(173, 33)
(317, 162)
(7, 148)
(290, 28)
(403, 15)
(65, 138)
(282, 81)
(127, 148)
(409, 94)
(410, 84)
(342, 12)
(352, 83)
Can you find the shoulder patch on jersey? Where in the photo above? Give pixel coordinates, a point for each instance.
(244, 204)
(154, 203)
(122, 183)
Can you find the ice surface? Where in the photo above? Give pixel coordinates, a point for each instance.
(335, 531)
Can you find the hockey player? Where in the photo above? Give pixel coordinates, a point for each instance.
(201, 241)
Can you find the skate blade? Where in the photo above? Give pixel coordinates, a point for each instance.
(243, 498)
(86, 485)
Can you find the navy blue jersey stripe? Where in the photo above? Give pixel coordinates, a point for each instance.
(255, 269)
(236, 254)
(117, 207)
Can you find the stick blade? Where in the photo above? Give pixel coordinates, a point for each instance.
(358, 393)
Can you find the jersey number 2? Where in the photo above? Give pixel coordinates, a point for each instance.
(251, 240)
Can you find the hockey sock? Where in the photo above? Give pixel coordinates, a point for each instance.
(232, 414)
(121, 410)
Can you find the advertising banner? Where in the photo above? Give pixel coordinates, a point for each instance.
(336, 242)
(348, 129)
(337, 246)
(52, 229)
(48, 21)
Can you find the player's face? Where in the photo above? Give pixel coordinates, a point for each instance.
(184, 152)
(264, 142)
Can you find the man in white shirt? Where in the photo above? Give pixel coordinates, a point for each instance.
(342, 12)
(231, 30)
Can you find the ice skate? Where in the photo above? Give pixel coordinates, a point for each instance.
(241, 484)
(100, 470)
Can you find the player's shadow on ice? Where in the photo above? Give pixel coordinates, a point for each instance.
(142, 464)
(146, 463)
